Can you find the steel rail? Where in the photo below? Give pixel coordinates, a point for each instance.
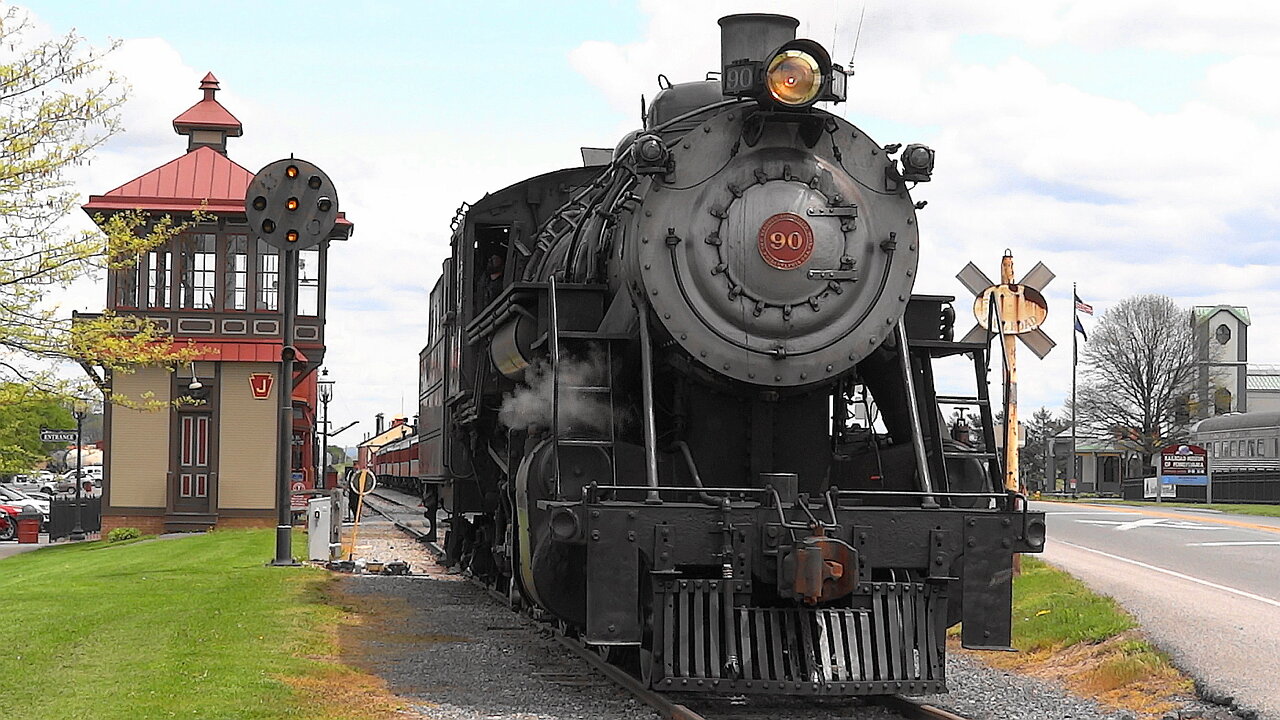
(914, 709)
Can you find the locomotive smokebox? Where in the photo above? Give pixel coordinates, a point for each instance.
(752, 36)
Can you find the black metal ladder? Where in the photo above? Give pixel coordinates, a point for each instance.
(604, 389)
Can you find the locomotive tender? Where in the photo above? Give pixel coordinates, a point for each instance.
(681, 402)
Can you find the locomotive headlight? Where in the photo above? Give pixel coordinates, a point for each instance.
(794, 78)
(917, 163)
(651, 155)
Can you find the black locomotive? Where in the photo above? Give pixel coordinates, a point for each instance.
(681, 400)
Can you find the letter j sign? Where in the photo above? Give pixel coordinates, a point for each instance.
(261, 385)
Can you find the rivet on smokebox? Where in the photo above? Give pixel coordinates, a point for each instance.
(595, 535)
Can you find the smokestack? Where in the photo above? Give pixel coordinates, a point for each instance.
(752, 36)
(377, 425)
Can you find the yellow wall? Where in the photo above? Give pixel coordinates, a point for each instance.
(247, 443)
(140, 441)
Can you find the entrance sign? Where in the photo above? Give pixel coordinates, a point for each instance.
(47, 435)
(1184, 464)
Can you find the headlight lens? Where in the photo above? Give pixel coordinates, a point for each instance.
(794, 77)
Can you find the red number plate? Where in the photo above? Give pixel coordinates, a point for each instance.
(786, 241)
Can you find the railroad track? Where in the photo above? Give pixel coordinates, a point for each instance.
(403, 511)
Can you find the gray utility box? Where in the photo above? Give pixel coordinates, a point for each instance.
(324, 527)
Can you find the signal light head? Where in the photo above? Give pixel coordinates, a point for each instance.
(324, 204)
(794, 78)
(291, 203)
(313, 182)
(260, 203)
(291, 171)
(268, 226)
(291, 236)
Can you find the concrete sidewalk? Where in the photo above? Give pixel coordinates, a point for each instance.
(12, 547)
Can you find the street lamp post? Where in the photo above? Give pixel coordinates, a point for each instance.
(325, 386)
(78, 410)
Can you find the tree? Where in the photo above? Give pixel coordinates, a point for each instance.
(56, 107)
(1033, 456)
(1139, 367)
(23, 411)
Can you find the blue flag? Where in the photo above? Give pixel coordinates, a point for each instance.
(1080, 329)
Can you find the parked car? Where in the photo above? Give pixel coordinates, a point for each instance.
(58, 486)
(10, 496)
(9, 521)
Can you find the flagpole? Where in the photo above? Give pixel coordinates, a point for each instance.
(1075, 322)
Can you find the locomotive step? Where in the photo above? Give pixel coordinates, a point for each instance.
(584, 442)
(980, 454)
(962, 400)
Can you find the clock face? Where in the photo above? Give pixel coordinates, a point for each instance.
(1223, 334)
(1019, 308)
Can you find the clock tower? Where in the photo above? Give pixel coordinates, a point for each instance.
(1221, 342)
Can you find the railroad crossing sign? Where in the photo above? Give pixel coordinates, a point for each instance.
(1019, 308)
(1010, 310)
(47, 435)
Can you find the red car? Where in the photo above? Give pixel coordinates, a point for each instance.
(9, 521)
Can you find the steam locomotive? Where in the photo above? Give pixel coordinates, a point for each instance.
(680, 400)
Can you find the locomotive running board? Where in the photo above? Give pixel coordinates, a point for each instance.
(892, 642)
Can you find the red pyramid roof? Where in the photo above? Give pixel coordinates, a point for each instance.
(203, 175)
(208, 114)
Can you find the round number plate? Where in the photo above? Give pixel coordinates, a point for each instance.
(786, 241)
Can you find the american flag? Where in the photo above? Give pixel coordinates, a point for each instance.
(1083, 306)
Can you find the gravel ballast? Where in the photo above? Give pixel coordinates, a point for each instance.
(456, 653)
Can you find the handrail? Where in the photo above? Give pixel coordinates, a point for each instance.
(913, 412)
(554, 341)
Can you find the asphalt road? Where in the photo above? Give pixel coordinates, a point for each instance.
(1205, 586)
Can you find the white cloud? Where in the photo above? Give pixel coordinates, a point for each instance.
(1119, 197)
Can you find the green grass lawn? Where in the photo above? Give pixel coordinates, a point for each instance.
(1087, 641)
(1238, 508)
(1052, 609)
(193, 627)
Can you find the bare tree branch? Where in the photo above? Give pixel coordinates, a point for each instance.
(1139, 370)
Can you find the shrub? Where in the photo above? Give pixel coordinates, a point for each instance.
(123, 533)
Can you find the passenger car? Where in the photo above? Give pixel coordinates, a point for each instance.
(10, 496)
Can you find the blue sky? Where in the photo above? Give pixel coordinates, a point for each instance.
(1130, 150)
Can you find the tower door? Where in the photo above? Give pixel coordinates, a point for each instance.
(192, 481)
